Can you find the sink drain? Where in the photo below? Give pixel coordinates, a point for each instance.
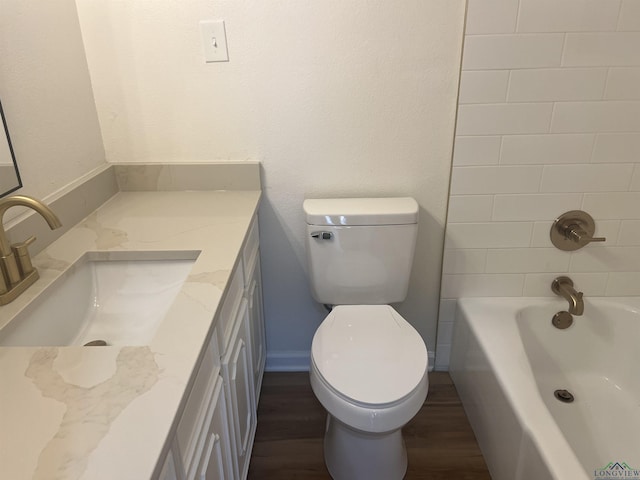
(564, 396)
(95, 343)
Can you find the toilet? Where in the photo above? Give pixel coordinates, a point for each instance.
(368, 364)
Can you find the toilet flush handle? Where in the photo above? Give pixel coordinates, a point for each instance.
(322, 235)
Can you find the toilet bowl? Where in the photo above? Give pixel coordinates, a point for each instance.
(369, 371)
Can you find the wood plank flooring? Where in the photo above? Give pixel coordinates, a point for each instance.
(288, 443)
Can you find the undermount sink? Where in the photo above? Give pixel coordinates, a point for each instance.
(103, 300)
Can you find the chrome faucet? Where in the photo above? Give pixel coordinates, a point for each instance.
(563, 286)
(16, 271)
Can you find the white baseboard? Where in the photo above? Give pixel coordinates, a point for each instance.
(291, 361)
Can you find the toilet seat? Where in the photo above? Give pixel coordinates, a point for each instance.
(369, 355)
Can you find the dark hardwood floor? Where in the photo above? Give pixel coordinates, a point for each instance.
(288, 443)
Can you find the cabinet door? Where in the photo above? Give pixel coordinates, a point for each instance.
(190, 433)
(216, 462)
(256, 318)
(238, 372)
(169, 468)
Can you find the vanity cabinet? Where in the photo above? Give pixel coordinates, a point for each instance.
(256, 323)
(201, 448)
(243, 360)
(202, 440)
(237, 372)
(169, 471)
(253, 294)
(215, 433)
(215, 463)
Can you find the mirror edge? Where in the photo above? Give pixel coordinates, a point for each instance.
(13, 156)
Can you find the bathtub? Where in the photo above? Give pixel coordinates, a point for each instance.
(507, 360)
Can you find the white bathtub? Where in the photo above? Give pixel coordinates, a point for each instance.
(507, 360)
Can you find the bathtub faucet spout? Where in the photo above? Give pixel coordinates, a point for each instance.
(563, 286)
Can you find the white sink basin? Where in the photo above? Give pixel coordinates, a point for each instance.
(120, 302)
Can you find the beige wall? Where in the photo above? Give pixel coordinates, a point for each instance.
(46, 95)
(334, 98)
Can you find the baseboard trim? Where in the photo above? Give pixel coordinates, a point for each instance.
(291, 361)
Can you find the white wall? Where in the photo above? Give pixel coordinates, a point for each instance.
(335, 98)
(46, 95)
(548, 121)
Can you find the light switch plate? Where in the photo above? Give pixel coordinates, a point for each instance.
(214, 41)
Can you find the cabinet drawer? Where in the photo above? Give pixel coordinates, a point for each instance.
(229, 309)
(193, 417)
(250, 250)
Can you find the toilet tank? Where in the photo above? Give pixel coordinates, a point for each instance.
(360, 250)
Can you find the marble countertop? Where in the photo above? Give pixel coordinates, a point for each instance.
(105, 413)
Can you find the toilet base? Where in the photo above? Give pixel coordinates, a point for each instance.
(354, 455)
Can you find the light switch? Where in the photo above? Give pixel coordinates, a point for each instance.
(214, 41)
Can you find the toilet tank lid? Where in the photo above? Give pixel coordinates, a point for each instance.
(361, 211)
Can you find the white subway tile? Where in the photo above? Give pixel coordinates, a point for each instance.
(488, 235)
(635, 179)
(445, 332)
(546, 149)
(539, 85)
(611, 259)
(470, 208)
(602, 49)
(615, 205)
(604, 228)
(611, 116)
(443, 358)
(586, 178)
(616, 148)
(525, 207)
(623, 284)
(567, 15)
(539, 284)
(507, 179)
(464, 260)
(541, 232)
(491, 16)
(629, 16)
(504, 119)
(447, 312)
(629, 233)
(484, 285)
(483, 86)
(476, 150)
(499, 52)
(623, 84)
(526, 260)
(608, 229)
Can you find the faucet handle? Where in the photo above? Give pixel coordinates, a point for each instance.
(573, 230)
(21, 252)
(579, 235)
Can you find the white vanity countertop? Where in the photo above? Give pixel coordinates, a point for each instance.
(105, 412)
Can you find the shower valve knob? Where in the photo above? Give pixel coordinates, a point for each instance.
(573, 230)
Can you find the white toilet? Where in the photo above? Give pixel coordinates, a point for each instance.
(368, 364)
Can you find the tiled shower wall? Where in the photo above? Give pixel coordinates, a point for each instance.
(548, 121)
